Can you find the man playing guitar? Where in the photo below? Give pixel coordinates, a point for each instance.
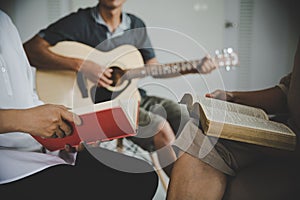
(106, 22)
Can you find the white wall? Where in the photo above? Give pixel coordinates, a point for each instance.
(29, 23)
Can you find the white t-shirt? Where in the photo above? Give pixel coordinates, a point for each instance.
(20, 154)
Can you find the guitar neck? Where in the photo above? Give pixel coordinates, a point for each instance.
(164, 70)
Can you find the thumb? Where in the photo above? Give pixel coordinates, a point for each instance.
(209, 95)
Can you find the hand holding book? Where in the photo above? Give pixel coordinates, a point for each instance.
(99, 122)
(238, 122)
(221, 94)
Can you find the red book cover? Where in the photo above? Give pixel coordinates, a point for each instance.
(101, 125)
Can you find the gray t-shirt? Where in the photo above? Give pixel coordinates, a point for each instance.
(87, 26)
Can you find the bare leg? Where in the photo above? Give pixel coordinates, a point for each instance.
(165, 153)
(193, 179)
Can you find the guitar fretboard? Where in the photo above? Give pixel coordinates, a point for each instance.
(227, 58)
(164, 70)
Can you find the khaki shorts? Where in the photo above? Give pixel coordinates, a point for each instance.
(226, 156)
(154, 111)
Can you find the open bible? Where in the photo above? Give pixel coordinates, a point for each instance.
(99, 122)
(239, 122)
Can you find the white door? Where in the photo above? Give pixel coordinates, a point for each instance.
(265, 36)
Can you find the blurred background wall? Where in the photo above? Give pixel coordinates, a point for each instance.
(263, 33)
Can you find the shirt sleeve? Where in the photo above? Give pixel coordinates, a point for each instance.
(284, 83)
(146, 48)
(143, 42)
(67, 28)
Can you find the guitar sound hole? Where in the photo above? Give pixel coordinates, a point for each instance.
(102, 94)
(117, 76)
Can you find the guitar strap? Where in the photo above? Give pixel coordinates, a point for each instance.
(82, 85)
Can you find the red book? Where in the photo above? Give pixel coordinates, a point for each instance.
(99, 122)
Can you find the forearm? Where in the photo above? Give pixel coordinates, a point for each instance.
(272, 100)
(10, 120)
(39, 56)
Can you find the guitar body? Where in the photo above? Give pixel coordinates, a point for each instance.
(61, 86)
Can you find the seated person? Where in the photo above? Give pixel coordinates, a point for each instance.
(198, 176)
(29, 171)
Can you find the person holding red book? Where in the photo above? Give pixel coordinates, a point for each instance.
(29, 171)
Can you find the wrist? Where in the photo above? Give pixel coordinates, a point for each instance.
(230, 96)
(20, 117)
(76, 64)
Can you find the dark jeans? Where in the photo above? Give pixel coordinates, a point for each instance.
(88, 179)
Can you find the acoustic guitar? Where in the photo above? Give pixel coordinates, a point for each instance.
(74, 90)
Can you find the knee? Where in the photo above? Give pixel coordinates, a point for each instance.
(165, 135)
(190, 162)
